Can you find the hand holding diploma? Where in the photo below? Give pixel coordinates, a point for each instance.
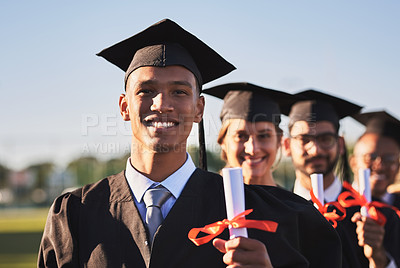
(369, 233)
(242, 251)
(239, 250)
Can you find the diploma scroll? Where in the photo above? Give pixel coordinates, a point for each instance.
(317, 184)
(364, 188)
(234, 197)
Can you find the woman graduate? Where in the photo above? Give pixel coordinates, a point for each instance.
(117, 222)
(250, 136)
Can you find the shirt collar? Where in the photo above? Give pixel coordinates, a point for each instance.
(174, 183)
(330, 194)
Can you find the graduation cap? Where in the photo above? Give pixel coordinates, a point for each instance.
(251, 102)
(317, 106)
(381, 123)
(165, 43)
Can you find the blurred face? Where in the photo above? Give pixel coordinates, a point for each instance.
(252, 146)
(162, 103)
(381, 156)
(314, 147)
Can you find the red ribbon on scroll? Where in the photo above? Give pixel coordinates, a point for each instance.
(239, 221)
(331, 216)
(352, 198)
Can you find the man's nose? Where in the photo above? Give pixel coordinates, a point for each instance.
(161, 103)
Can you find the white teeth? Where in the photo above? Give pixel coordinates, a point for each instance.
(254, 161)
(162, 124)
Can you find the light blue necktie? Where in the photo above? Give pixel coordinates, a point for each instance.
(154, 199)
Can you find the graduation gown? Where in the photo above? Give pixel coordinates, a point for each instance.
(391, 240)
(100, 226)
(395, 198)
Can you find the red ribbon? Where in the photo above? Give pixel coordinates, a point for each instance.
(331, 216)
(359, 200)
(239, 221)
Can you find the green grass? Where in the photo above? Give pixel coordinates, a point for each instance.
(18, 260)
(20, 234)
(22, 220)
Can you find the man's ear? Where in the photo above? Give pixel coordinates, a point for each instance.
(123, 107)
(200, 104)
(286, 146)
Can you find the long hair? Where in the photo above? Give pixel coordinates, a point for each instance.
(343, 170)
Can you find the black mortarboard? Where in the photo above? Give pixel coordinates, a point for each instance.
(381, 123)
(318, 106)
(251, 102)
(165, 43)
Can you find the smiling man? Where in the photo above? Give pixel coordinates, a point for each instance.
(378, 149)
(315, 147)
(141, 217)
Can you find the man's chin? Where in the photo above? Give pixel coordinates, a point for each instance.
(316, 169)
(167, 148)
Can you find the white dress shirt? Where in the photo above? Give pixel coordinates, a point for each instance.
(174, 183)
(330, 194)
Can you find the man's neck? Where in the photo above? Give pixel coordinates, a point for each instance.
(305, 179)
(155, 165)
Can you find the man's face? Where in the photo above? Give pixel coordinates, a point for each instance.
(162, 103)
(314, 147)
(381, 156)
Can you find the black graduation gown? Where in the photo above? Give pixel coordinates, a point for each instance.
(391, 239)
(396, 200)
(100, 226)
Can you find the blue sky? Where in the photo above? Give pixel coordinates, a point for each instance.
(59, 100)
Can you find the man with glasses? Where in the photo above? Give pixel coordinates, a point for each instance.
(315, 147)
(141, 217)
(378, 149)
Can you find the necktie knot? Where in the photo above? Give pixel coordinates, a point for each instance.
(156, 197)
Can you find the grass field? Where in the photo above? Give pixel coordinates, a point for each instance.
(20, 234)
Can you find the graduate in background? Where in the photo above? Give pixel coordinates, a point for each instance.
(378, 149)
(315, 147)
(107, 224)
(250, 136)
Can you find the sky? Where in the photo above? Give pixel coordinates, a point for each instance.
(60, 101)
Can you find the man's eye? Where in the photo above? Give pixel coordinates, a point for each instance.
(305, 139)
(144, 91)
(264, 136)
(180, 92)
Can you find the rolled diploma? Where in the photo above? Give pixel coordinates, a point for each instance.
(317, 184)
(364, 187)
(234, 197)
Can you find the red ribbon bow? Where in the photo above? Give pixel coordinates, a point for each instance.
(239, 221)
(331, 216)
(359, 200)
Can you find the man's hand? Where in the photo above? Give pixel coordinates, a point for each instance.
(243, 252)
(370, 236)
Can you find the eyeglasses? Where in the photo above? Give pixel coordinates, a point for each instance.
(324, 140)
(386, 159)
